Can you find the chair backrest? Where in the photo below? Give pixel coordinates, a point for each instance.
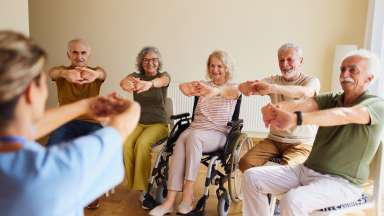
(169, 111)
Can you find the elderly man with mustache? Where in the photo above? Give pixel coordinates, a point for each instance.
(350, 124)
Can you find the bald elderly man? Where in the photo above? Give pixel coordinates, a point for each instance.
(75, 82)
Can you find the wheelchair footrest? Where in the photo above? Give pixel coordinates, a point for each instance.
(149, 202)
(200, 207)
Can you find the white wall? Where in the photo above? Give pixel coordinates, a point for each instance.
(14, 15)
(187, 31)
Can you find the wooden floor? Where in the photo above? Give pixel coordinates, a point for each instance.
(126, 202)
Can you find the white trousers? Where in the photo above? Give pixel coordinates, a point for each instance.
(187, 153)
(304, 190)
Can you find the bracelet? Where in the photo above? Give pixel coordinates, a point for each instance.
(299, 118)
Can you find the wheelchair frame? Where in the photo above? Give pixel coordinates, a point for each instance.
(228, 157)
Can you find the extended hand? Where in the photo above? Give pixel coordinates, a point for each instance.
(246, 88)
(142, 85)
(88, 75)
(262, 88)
(72, 76)
(268, 113)
(129, 84)
(202, 89)
(283, 120)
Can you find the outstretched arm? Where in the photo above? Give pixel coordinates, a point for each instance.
(55, 117)
(282, 119)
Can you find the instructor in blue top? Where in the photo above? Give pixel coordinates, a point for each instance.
(62, 179)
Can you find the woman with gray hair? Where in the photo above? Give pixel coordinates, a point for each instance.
(60, 179)
(149, 87)
(207, 132)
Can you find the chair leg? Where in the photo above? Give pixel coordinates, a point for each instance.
(272, 204)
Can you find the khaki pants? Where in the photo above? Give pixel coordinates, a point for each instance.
(266, 149)
(137, 153)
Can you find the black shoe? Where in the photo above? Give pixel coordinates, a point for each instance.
(148, 202)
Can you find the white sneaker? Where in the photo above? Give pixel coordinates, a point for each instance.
(184, 208)
(160, 211)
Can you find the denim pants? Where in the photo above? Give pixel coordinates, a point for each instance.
(72, 130)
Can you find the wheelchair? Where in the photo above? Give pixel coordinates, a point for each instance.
(226, 159)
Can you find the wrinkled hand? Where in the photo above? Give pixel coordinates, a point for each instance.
(129, 84)
(142, 85)
(247, 88)
(88, 75)
(262, 88)
(73, 76)
(106, 106)
(268, 113)
(202, 89)
(283, 120)
(188, 88)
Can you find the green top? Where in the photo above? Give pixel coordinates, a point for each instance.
(347, 150)
(152, 102)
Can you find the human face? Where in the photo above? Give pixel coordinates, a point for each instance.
(78, 54)
(150, 64)
(217, 71)
(289, 63)
(354, 76)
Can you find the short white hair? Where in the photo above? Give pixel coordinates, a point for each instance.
(78, 40)
(286, 46)
(374, 65)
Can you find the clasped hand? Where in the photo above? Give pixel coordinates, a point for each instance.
(133, 84)
(278, 118)
(256, 87)
(80, 75)
(198, 88)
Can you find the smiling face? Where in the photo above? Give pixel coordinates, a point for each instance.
(78, 53)
(354, 75)
(217, 71)
(289, 63)
(150, 64)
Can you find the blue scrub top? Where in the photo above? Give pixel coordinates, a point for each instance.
(62, 179)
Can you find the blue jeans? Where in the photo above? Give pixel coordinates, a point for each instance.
(72, 130)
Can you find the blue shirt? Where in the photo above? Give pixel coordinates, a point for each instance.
(62, 179)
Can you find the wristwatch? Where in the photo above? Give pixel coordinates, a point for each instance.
(299, 117)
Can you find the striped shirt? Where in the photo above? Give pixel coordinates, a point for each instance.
(213, 113)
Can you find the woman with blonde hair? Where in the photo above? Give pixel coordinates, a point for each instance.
(207, 132)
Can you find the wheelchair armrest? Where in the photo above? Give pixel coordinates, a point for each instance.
(179, 116)
(235, 123)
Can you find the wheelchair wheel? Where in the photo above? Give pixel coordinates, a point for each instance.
(243, 144)
(160, 193)
(223, 205)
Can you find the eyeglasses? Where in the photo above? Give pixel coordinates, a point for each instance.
(153, 60)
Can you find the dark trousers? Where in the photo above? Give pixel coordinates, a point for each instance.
(72, 130)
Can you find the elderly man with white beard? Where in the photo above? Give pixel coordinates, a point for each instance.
(293, 145)
(350, 125)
